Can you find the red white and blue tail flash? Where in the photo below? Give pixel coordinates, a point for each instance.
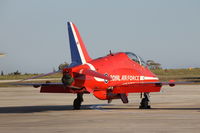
(79, 54)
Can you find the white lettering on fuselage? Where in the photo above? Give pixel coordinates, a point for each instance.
(131, 78)
(124, 77)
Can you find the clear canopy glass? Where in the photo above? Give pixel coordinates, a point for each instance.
(136, 58)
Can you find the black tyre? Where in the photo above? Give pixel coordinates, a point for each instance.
(77, 104)
(144, 104)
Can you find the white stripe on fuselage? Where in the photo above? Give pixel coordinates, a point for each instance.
(148, 78)
(94, 69)
(78, 44)
(141, 78)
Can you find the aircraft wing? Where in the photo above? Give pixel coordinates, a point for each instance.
(42, 75)
(54, 87)
(147, 86)
(36, 84)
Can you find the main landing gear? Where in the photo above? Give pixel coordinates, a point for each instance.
(144, 104)
(78, 101)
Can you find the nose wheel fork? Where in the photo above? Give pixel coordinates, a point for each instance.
(144, 104)
(78, 101)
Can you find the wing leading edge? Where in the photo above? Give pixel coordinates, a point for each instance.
(147, 86)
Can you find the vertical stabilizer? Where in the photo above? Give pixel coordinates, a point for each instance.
(79, 54)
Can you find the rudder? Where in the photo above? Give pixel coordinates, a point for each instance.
(79, 54)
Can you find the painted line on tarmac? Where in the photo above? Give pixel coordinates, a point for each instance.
(98, 107)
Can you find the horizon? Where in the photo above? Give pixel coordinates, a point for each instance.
(34, 33)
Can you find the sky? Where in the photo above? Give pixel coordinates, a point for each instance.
(34, 36)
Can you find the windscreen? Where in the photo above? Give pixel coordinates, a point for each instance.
(136, 58)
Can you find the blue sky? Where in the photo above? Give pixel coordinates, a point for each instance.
(33, 33)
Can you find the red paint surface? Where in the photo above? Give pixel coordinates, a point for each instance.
(125, 74)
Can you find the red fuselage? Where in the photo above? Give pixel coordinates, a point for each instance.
(121, 69)
(109, 77)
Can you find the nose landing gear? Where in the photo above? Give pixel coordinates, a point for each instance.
(144, 104)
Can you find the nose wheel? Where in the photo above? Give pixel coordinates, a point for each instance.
(144, 104)
(78, 101)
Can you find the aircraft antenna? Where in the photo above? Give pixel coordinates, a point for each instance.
(110, 52)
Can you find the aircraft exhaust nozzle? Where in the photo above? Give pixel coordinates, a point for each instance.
(67, 79)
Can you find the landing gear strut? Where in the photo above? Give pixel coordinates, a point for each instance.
(78, 101)
(144, 104)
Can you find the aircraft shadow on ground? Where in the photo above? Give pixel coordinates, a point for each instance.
(33, 109)
(128, 108)
(183, 109)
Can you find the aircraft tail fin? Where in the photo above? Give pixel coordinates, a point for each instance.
(79, 54)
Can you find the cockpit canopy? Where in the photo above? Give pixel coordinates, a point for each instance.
(136, 58)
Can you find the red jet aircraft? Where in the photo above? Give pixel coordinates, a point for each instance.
(110, 77)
